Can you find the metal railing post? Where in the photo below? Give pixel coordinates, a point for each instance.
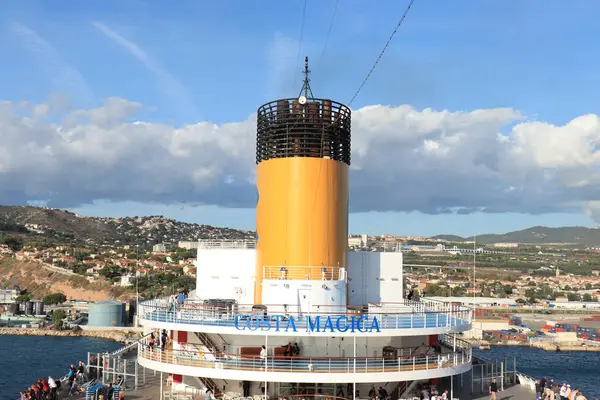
(502, 375)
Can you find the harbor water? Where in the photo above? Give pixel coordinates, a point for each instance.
(579, 369)
(25, 359)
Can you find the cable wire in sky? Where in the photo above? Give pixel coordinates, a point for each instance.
(300, 41)
(328, 34)
(382, 51)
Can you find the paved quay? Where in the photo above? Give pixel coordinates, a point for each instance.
(517, 392)
(150, 390)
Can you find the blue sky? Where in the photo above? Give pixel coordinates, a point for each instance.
(218, 61)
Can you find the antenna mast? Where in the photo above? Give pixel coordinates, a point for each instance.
(306, 90)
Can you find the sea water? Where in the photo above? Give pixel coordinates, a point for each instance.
(579, 369)
(26, 359)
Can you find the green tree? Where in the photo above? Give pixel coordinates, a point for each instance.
(588, 297)
(55, 298)
(110, 272)
(14, 243)
(507, 289)
(573, 297)
(23, 298)
(57, 318)
(79, 268)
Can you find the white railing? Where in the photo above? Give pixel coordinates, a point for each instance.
(297, 272)
(316, 364)
(451, 341)
(227, 244)
(407, 315)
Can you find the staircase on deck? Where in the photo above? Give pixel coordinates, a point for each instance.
(215, 351)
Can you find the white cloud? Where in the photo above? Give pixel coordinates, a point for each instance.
(170, 85)
(403, 159)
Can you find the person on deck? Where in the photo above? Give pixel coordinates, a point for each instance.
(295, 349)
(287, 349)
(53, 388)
(372, 392)
(263, 353)
(71, 375)
(164, 339)
(493, 389)
(383, 394)
(246, 387)
(81, 372)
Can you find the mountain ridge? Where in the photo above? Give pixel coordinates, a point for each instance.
(535, 235)
(65, 227)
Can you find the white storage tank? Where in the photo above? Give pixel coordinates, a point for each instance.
(107, 313)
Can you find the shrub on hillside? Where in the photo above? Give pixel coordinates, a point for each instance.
(57, 318)
(55, 298)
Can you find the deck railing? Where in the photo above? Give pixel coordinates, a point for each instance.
(227, 244)
(317, 364)
(303, 273)
(407, 315)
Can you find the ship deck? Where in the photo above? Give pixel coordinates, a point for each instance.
(151, 391)
(311, 364)
(396, 319)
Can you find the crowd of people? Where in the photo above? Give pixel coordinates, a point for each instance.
(158, 341)
(379, 394)
(431, 393)
(175, 301)
(74, 381)
(551, 390)
(48, 389)
(43, 389)
(291, 349)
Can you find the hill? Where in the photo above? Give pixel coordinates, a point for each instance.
(65, 227)
(40, 281)
(537, 235)
(449, 238)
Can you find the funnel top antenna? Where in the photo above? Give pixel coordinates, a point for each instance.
(306, 91)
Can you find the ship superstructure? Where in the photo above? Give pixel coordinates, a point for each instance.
(294, 312)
